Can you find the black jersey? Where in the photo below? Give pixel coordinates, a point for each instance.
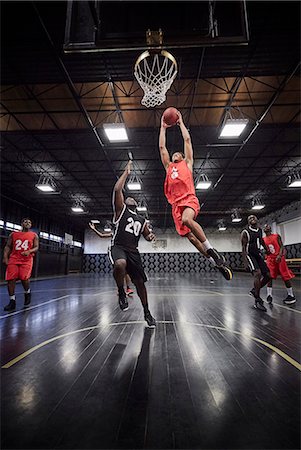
(254, 240)
(128, 229)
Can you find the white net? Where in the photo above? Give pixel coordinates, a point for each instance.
(155, 74)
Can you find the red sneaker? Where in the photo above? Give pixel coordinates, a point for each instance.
(129, 291)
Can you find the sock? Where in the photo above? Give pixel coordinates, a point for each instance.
(269, 289)
(290, 291)
(207, 244)
(12, 297)
(27, 292)
(212, 261)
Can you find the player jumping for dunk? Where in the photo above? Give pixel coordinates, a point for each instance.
(180, 192)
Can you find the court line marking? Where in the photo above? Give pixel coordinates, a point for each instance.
(45, 303)
(282, 354)
(113, 290)
(33, 307)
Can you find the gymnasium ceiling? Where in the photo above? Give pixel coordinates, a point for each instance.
(53, 105)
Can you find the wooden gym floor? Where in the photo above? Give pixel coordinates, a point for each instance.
(78, 373)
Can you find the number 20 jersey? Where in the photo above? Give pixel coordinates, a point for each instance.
(128, 228)
(21, 242)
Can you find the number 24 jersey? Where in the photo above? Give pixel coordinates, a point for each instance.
(129, 227)
(21, 242)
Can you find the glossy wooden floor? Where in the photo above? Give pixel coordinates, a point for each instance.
(215, 374)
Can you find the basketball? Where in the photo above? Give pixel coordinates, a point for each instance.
(170, 116)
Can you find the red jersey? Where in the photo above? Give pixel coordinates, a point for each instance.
(178, 182)
(21, 241)
(272, 243)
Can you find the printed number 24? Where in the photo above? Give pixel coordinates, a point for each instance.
(133, 226)
(21, 245)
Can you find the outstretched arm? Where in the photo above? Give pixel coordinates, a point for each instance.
(162, 145)
(101, 235)
(188, 151)
(118, 199)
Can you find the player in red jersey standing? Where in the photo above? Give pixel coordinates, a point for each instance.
(276, 263)
(18, 256)
(180, 192)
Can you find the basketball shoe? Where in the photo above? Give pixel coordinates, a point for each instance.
(220, 264)
(27, 298)
(129, 291)
(11, 306)
(289, 300)
(151, 322)
(259, 304)
(122, 300)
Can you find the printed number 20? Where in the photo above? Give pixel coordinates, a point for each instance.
(133, 226)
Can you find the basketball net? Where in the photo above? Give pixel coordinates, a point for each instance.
(155, 73)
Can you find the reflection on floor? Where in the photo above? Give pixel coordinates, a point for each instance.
(78, 373)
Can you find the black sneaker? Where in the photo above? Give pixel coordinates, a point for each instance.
(269, 299)
(151, 322)
(123, 303)
(259, 304)
(218, 259)
(226, 272)
(11, 306)
(27, 298)
(252, 293)
(289, 300)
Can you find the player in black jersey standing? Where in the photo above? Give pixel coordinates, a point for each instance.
(124, 253)
(252, 241)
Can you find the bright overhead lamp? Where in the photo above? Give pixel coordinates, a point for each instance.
(94, 221)
(233, 128)
(141, 208)
(116, 132)
(257, 204)
(236, 217)
(203, 182)
(294, 181)
(134, 186)
(233, 123)
(221, 226)
(134, 183)
(107, 229)
(46, 184)
(77, 209)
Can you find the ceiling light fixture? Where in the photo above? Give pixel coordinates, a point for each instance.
(232, 127)
(142, 206)
(236, 217)
(294, 180)
(94, 221)
(134, 183)
(221, 226)
(203, 182)
(257, 204)
(46, 184)
(116, 132)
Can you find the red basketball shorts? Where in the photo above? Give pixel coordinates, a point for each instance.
(190, 201)
(279, 268)
(18, 271)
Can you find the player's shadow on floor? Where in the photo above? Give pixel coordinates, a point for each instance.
(137, 402)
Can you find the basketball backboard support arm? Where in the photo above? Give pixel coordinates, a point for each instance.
(88, 28)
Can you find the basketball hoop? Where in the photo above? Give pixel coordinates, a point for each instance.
(155, 72)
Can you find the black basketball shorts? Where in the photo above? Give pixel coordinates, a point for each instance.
(134, 265)
(256, 262)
